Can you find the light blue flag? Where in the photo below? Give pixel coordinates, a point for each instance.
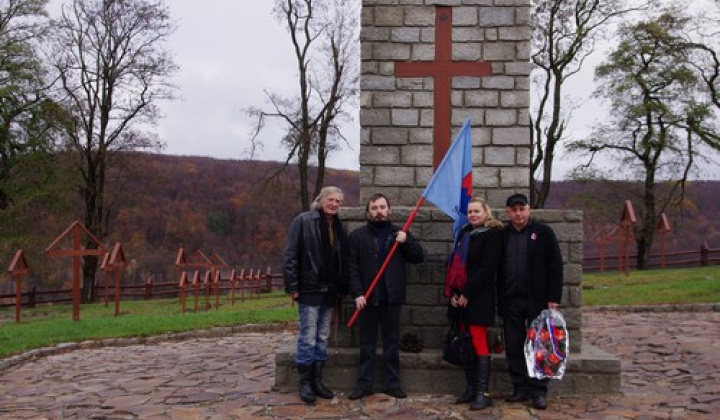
(450, 187)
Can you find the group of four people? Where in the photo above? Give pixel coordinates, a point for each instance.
(518, 266)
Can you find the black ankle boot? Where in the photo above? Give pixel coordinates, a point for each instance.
(305, 383)
(471, 383)
(317, 385)
(519, 395)
(482, 398)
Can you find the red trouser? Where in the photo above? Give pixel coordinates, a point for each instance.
(479, 338)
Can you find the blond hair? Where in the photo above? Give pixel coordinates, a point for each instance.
(490, 221)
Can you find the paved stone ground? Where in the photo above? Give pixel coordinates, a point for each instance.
(670, 361)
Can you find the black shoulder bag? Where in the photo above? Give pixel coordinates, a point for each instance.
(458, 347)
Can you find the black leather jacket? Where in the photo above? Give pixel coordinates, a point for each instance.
(303, 256)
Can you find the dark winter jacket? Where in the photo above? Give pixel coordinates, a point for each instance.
(483, 259)
(544, 267)
(364, 262)
(303, 256)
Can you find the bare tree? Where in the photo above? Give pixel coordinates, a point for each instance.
(325, 40)
(565, 33)
(703, 45)
(661, 115)
(113, 70)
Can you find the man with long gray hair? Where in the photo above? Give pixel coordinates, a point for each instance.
(314, 273)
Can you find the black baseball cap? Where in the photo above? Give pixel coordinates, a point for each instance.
(516, 199)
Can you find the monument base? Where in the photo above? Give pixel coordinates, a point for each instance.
(590, 372)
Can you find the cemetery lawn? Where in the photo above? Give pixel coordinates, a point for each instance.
(678, 285)
(52, 324)
(49, 325)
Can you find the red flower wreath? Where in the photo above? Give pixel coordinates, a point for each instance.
(547, 346)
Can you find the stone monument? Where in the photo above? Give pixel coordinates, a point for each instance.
(426, 66)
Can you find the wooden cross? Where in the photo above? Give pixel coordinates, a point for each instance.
(18, 268)
(75, 232)
(443, 69)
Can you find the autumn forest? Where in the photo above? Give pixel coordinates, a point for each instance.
(160, 203)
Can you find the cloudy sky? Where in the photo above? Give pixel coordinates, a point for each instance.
(229, 52)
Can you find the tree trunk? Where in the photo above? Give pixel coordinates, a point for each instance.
(647, 231)
(90, 264)
(303, 159)
(93, 195)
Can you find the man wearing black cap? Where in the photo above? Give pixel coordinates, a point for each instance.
(530, 279)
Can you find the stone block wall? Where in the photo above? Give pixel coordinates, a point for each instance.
(590, 371)
(397, 113)
(424, 314)
(397, 119)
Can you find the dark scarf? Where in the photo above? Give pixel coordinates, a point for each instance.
(382, 230)
(456, 275)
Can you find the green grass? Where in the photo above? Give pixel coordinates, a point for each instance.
(52, 324)
(681, 285)
(49, 325)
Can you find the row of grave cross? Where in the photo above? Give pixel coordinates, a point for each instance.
(113, 262)
(213, 265)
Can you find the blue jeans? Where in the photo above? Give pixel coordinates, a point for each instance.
(314, 333)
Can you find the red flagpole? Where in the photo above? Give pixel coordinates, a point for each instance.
(387, 260)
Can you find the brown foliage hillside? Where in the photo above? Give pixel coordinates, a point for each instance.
(162, 203)
(224, 206)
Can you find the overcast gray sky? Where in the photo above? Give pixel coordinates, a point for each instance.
(229, 51)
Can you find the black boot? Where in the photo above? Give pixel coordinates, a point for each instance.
(520, 394)
(482, 398)
(471, 383)
(305, 383)
(317, 386)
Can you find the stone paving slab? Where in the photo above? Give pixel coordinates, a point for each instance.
(670, 360)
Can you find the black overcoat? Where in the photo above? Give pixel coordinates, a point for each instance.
(544, 267)
(364, 262)
(484, 253)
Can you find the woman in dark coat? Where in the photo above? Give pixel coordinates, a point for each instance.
(470, 285)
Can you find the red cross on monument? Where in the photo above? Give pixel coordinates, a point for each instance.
(443, 69)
